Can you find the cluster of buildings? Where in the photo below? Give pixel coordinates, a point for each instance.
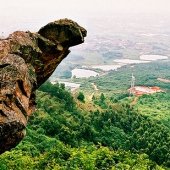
(140, 90)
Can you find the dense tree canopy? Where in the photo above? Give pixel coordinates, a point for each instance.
(61, 136)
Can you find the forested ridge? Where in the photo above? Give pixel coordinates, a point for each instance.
(61, 135)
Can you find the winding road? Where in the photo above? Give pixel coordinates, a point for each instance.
(95, 87)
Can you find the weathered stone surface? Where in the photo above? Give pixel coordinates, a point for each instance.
(26, 61)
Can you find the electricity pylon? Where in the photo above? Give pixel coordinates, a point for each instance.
(132, 84)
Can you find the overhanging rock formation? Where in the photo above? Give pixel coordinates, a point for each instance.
(27, 60)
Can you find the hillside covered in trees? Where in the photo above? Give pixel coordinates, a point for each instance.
(112, 135)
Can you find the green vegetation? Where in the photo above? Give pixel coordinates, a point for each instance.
(81, 97)
(112, 55)
(87, 158)
(61, 135)
(155, 106)
(116, 83)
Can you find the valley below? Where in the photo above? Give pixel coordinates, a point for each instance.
(103, 68)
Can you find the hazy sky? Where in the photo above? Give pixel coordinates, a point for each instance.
(41, 12)
(85, 6)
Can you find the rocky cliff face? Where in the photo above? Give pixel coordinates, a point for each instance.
(26, 61)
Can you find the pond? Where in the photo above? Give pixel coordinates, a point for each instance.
(129, 61)
(108, 67)
(68, 84)
(80, 73)
(153, 57)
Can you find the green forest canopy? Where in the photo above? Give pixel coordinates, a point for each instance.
(61, 136)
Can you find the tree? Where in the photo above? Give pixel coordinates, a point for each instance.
(102, 97)
(81, 97)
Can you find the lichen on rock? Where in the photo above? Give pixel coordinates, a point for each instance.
(27, 60)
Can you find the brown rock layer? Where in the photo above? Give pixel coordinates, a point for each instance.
(26, 61)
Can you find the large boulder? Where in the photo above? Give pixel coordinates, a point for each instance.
(26, 61)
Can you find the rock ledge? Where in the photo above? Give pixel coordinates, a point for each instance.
(27, 60)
